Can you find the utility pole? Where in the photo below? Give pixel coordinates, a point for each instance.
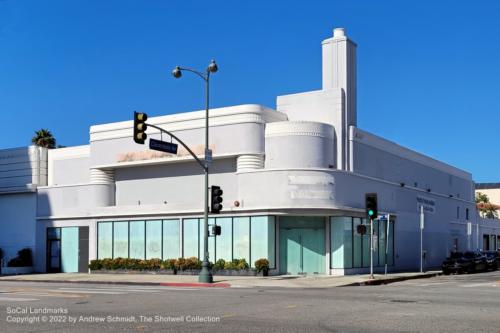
(421, 239)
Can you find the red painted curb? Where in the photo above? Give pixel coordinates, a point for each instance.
(195, 284)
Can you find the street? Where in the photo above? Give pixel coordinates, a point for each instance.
(456, 303)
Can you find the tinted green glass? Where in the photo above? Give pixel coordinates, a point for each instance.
(262, 239)
(153, 239)
(224, 246)
(171, 239)
(241, 240)
(69, 250)
(104, 240)
(120, 239)
(191, 238)
(137, 240)
(357, 244)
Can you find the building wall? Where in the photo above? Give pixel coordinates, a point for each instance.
(376, 157)
(22, 167)
(69, 166)
(173, 184)
(17, 223)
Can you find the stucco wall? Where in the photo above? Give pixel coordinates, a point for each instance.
(17, 222)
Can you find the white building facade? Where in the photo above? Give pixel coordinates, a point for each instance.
(294, 182)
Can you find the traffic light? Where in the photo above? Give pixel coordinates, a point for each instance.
(216, 230)
(216, 199)
(140, 127)
(361, 229)
(371, 205)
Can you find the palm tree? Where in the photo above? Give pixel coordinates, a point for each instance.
(485, 207)
(43, 138)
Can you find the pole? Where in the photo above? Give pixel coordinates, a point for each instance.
(421, 239)
(469, 233)
(371, 248)
(477, 235)
(206, 274)
(387, 240)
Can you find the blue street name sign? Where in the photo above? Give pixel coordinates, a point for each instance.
(163, 146)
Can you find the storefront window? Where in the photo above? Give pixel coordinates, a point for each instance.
(341, 242)
(120, 240)
(171, 239)
(137, 242)
(224, 248)
(241, 238)
(382, 224)
(211, 240)
(153, 239)
(262, 239)
(366, 244)
(191, 238)
(105, 240)
(390, 242)
(357, 244)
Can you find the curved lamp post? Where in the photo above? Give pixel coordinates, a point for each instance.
(206, 273)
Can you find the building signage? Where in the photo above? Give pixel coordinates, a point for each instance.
(428, 204)
(163, 146)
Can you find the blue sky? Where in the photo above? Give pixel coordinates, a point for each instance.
(428, 71)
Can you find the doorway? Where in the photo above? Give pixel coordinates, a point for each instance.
(302, 245)
(67, 250)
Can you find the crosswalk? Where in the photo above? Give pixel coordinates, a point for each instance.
(33, 294)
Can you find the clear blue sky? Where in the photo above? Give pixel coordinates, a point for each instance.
(428, 71)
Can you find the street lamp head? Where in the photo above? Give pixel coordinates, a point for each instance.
(212, 68)
(177, 73)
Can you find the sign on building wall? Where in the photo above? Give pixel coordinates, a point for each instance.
(429, 204)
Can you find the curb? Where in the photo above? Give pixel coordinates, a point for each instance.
(163, 284)
(377, 282)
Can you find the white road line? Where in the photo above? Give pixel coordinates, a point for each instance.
(107, 289)
(126, 289)
(11, 299)
(473, 285)
(92, 292)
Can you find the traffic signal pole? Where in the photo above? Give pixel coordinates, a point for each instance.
(371, 248)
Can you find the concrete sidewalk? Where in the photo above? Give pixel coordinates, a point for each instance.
(282, 281)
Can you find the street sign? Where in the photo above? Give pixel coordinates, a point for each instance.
(208, 156)
(166, 147)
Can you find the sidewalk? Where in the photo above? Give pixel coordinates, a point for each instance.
(282, 281)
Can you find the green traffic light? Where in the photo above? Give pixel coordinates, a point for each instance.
(370, 212)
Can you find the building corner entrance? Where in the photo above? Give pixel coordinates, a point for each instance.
(302, 245)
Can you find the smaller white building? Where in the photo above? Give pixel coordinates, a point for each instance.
(294, 181)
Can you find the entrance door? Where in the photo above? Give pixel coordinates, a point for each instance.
(67, 249)
(53, 256)
(302, 245)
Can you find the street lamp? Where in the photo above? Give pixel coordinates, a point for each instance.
(206, 273)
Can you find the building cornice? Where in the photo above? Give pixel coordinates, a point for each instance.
(248, 113)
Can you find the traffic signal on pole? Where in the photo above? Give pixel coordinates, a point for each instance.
(216, 199)
(371, 205)
(216, 230)
(140, 127)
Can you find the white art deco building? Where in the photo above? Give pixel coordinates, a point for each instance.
(294, 181)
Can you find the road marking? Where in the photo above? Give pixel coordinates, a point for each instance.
(291, 306)
(473, 285)
(93, 292)
(11, 299)
(229, 315)
(107, 289)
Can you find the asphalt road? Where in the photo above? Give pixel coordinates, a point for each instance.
(457, 303)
